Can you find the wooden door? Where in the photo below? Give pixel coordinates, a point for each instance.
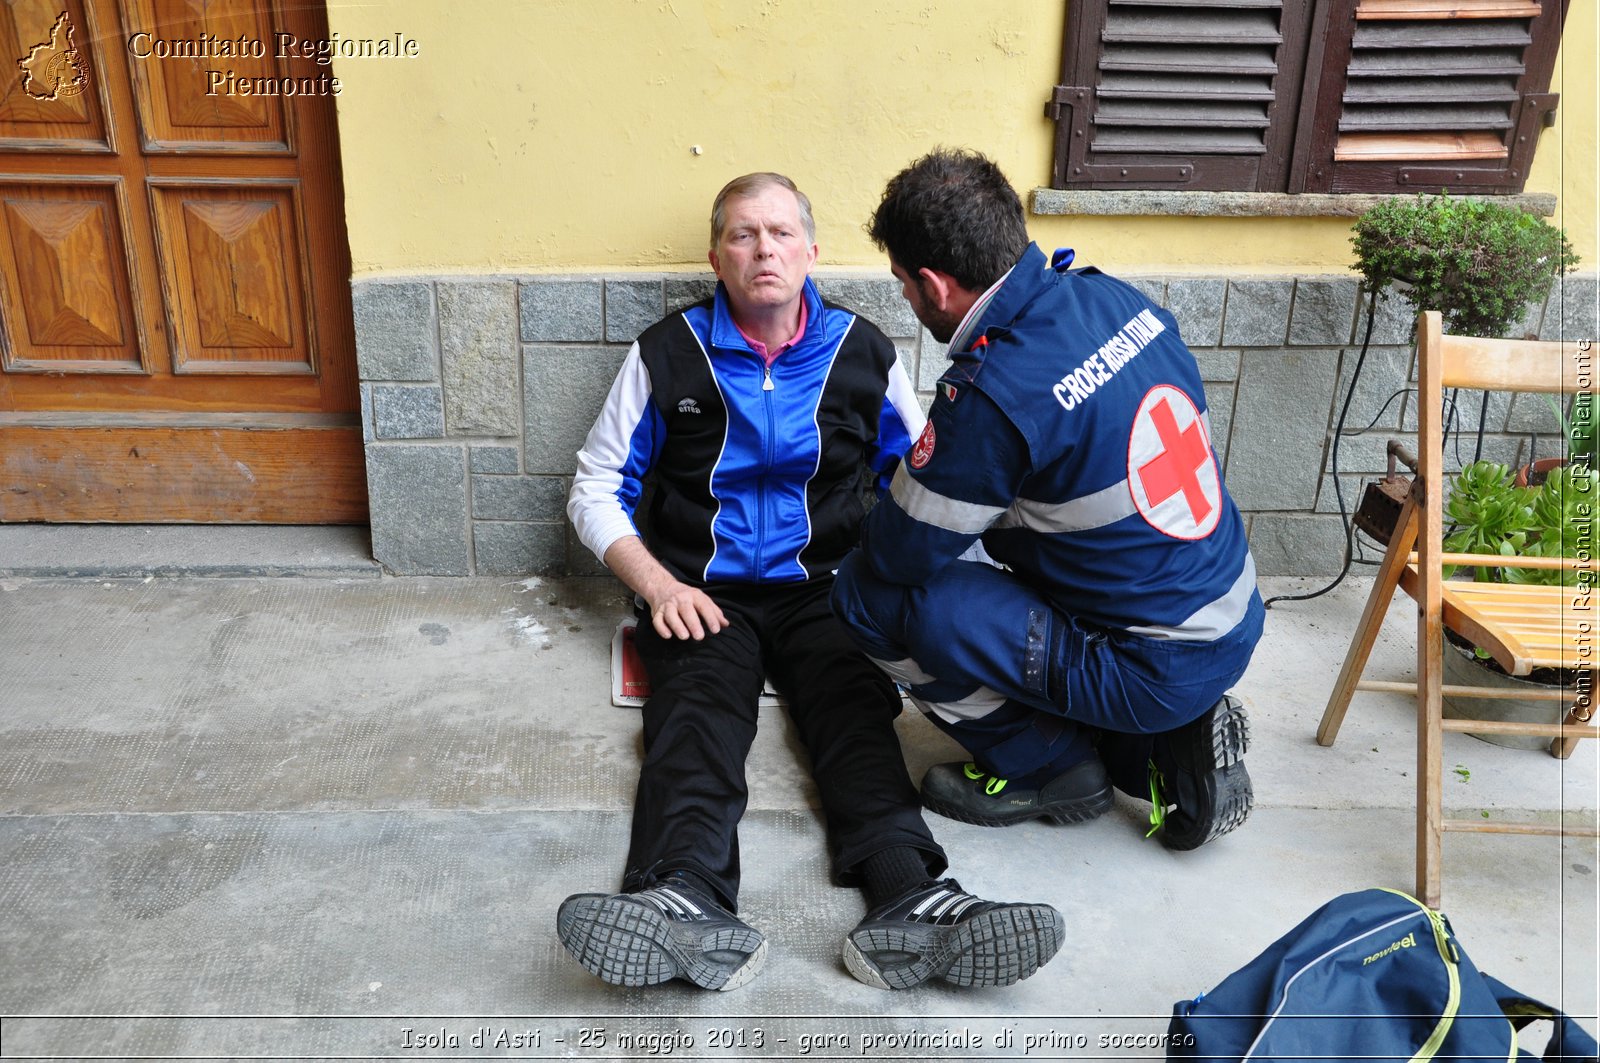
(176, 341)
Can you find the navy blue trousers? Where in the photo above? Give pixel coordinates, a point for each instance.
(1023, 685)
(701, 719)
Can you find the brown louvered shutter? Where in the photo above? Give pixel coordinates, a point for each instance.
(1428, 95)
(1185, 94)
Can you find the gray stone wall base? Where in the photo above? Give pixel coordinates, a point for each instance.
(418, 496)
(477, 393)
(504, 548)
(1288, 544)
(478, 345)
(563, 389)
(396, 331)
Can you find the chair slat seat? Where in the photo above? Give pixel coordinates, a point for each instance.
(1522, 626)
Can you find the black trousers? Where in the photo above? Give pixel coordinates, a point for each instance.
(701, 719)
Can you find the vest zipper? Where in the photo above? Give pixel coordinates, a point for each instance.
(766, 471)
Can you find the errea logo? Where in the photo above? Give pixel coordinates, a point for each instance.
(688, 405)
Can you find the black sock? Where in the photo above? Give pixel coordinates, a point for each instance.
(891, 872)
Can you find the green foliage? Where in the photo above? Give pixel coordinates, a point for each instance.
(1578, 428)
(1563, 524)
(1478, 263)
(1492, 515)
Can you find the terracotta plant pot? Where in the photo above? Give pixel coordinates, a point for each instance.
(1533, 475)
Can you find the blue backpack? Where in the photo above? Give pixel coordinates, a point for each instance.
(1375, 975)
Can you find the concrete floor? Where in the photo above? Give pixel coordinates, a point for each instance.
(299, 817)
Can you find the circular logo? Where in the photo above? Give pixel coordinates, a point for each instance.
(923, 451)
(1171, 471)
(66, 75)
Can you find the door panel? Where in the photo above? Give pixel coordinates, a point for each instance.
(177, 341)
(144, 471)
(55, 103)
(63, 254)
(231, 260)
(176, 119)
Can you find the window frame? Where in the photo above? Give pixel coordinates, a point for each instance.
(1307, 103)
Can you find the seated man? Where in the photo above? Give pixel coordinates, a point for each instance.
(1069, 433)
(757, 412)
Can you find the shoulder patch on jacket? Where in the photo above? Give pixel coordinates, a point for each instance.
(922, 453)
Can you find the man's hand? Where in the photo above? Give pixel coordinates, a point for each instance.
(677, 610)
(685, 612)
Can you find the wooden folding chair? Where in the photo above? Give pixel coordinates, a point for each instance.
(1523, 627)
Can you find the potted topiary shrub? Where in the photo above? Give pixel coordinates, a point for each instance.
(1478, 263)
(1491, 514)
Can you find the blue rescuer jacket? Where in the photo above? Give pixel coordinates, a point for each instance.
(1070, 434)
(758, 470)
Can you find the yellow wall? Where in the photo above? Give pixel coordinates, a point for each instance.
(552, 135)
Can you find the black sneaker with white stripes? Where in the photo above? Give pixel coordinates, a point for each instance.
(671, 930)
(939, 931)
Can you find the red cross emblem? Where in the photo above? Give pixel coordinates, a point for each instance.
(1171, 472)
(922, 453)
